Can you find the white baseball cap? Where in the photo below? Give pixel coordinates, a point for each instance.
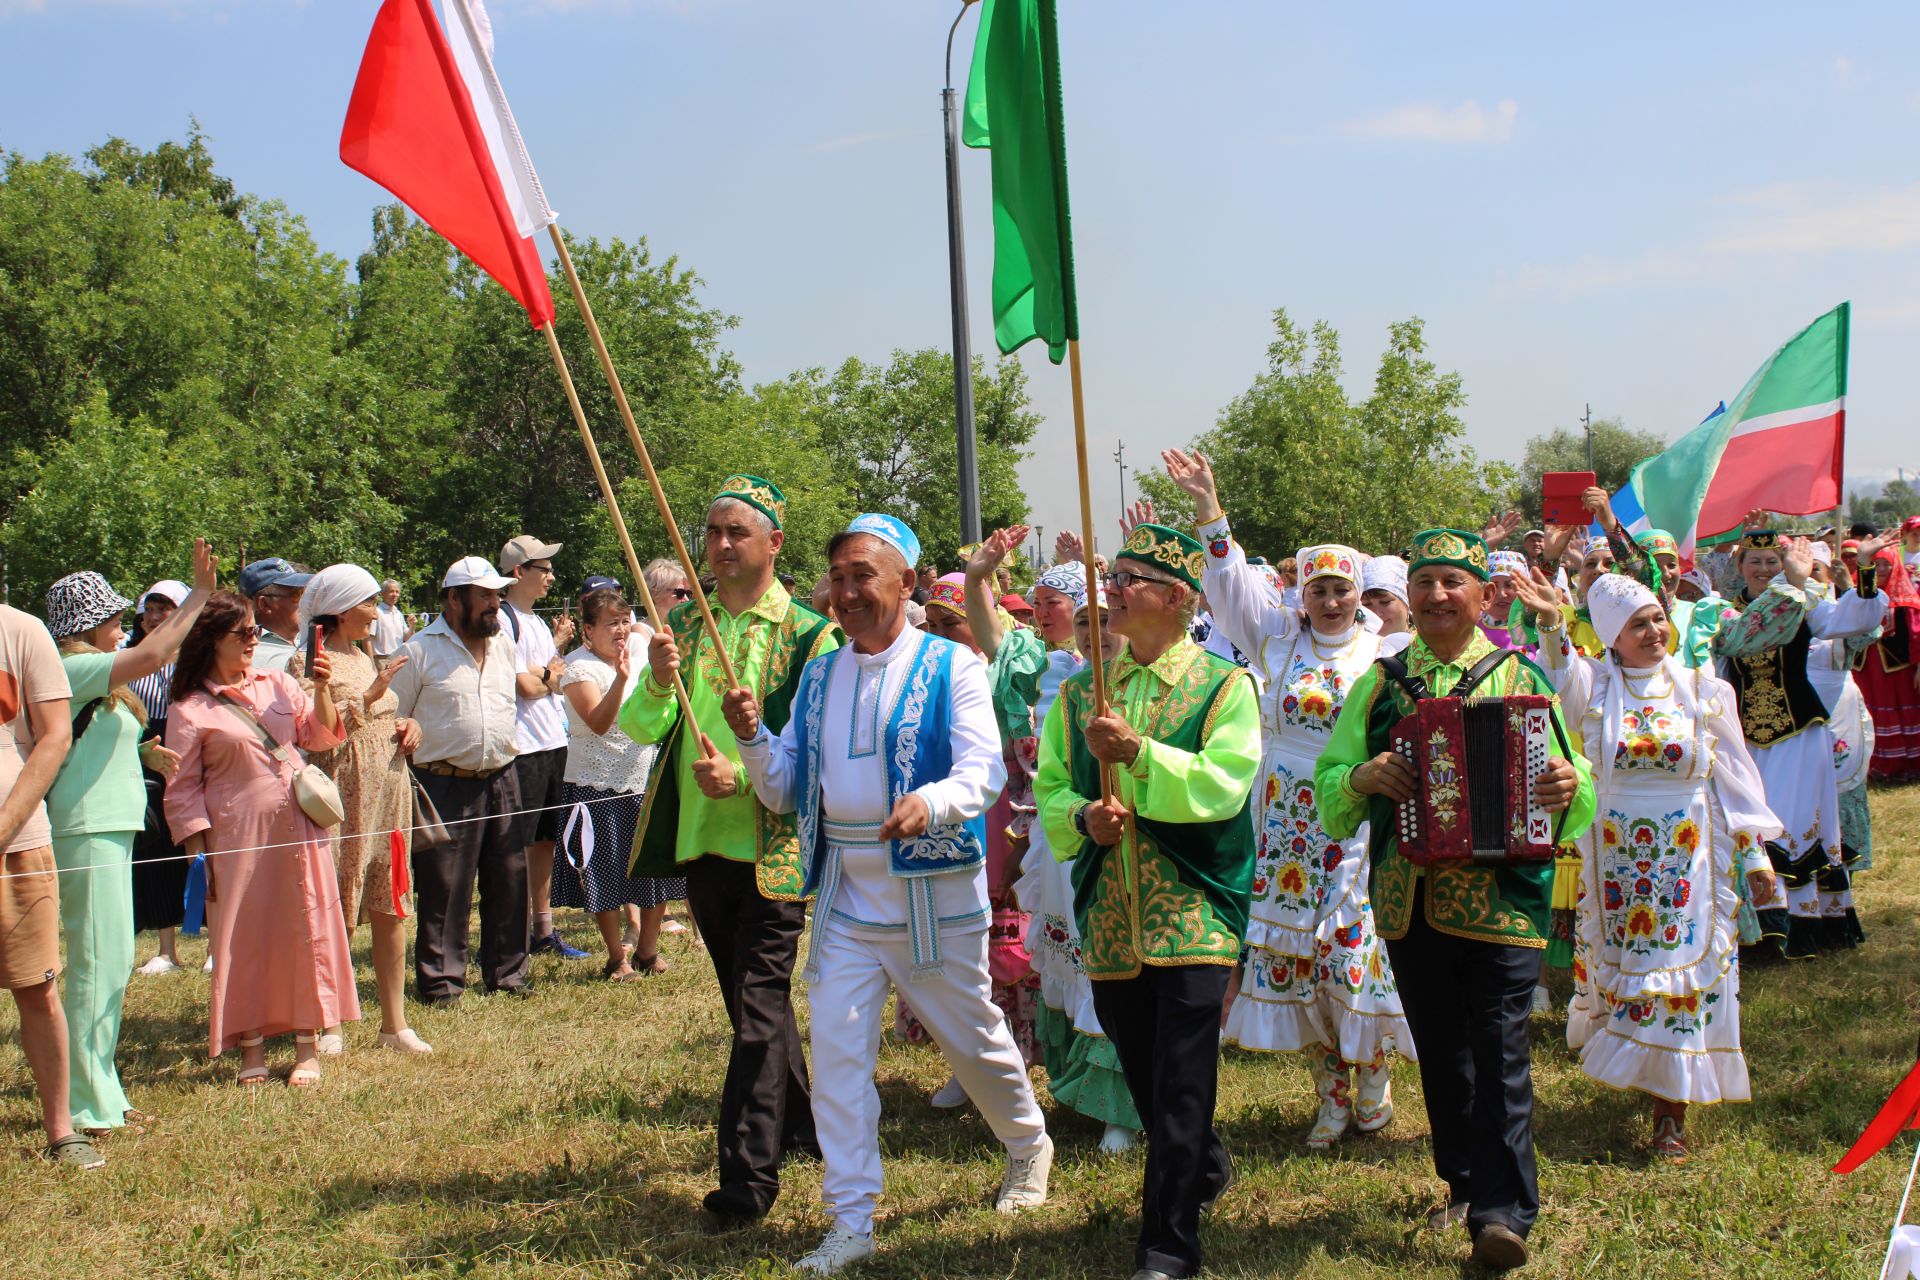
(474, 571)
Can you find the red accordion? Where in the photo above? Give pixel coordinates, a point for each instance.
(1475, 761)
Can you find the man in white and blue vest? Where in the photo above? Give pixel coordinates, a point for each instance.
(890, 759)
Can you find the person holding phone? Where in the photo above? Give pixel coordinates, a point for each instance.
(281, 960)
(373, 847)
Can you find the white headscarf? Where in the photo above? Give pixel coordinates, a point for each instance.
(1385, 573)
(1613, 599)
(334, 590)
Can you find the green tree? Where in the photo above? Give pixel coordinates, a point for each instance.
(1616, 451)
(1298, 460)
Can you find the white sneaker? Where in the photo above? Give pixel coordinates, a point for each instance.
(949, 1095)
(1117, 1140)
(842, 1248)
(330, 1045)
(405, 1041)
(208, 966)
(158, 965)
(1024, 1185)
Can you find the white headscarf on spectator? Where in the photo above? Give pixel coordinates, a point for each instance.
(334, 590)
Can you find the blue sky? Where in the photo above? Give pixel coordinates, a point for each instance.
(1630, 210)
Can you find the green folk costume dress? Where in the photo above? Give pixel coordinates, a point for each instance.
(1176, 889)
(1510, 905)
(769, 643)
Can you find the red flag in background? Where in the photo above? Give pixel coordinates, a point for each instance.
(412, 127)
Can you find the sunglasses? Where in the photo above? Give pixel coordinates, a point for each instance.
(681, 593)
(247, 633)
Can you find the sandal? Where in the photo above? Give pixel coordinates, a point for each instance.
(252, 1075)
(76, 1150)
(647, 966)
(304, 1077)
(619, 971)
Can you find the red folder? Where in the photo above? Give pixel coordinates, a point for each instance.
(1560, 497)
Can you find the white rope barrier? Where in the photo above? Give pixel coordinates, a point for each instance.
(329, 833)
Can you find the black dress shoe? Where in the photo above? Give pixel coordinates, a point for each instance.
(1499, 1248)
(736, 1202)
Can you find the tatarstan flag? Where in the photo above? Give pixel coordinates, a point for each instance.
(1013, 109)
(1779, 445)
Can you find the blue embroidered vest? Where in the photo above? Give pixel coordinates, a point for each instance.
(917, 748)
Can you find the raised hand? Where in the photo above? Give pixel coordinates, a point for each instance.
(1193, 472)
(1871, 547)
(1500, 528)
(622, 663)
(206, 569)
(320, 668)
(1536, 591)
(742, 712)
(1600, 504)
(1798, 555)
(992, 553)
(380, 682)
(1140, 513)
(1558, 536)
(1066, 547)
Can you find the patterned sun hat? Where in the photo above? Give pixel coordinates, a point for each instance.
(1657, 542)
(80, 602)
(1176, 552)
(763, 496)
(1330, 560)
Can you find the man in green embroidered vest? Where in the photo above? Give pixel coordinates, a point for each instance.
(701, 819)
(1163, 875)
(1466, 942)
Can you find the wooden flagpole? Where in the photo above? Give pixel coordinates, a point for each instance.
(619, 522)
(1096, 658)
(646, 459)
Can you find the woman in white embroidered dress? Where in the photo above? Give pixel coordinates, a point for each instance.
(1682, 816)
(1316, 975)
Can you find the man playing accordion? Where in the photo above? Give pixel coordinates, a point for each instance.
(1466, 939)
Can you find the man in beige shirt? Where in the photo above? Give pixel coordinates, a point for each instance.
(458, 683)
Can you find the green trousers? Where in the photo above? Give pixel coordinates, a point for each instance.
(96, 914)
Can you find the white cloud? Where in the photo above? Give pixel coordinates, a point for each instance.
(1427, 122)
(1875, 221)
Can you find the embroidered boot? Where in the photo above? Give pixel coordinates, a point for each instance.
(1330, 1082)
(1373, 1094)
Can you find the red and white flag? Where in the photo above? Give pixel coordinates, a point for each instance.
(429, 122)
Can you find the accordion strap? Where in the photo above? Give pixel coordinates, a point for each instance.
(1396, 670)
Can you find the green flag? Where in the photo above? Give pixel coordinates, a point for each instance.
(1013, 109)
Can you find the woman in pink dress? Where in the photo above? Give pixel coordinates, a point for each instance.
(280, 957)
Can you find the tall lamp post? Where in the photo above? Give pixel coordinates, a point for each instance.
(957, 287)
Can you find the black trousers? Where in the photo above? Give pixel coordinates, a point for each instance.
(1467, 1005)
(765, 1108)
(485, 852)
(1165, 1027)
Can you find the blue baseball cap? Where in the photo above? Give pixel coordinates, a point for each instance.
(271, 572)
(597, 582)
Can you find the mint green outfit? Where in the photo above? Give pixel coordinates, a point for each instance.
(97, 804)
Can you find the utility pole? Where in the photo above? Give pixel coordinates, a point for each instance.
(1039, 546)
(1587, 422)
(1120, 458)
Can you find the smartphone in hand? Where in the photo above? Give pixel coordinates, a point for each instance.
(316, 638)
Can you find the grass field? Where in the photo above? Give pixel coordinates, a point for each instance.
(569, 1135)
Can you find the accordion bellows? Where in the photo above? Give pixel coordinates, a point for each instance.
(1475, 761)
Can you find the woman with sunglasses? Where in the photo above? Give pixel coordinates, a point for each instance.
(281, 962)
(1316, 977)
(375, 844)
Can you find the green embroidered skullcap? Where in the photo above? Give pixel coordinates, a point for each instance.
(1454, 547)
(1176, 552)
(763, 496)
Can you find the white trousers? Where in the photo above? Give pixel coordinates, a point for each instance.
(957, 1009)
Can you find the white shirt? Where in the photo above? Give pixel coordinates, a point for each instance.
(389, 631)
(861, 695)
(610, 761)
(465, 712)
(541, 723)
(273, 652)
